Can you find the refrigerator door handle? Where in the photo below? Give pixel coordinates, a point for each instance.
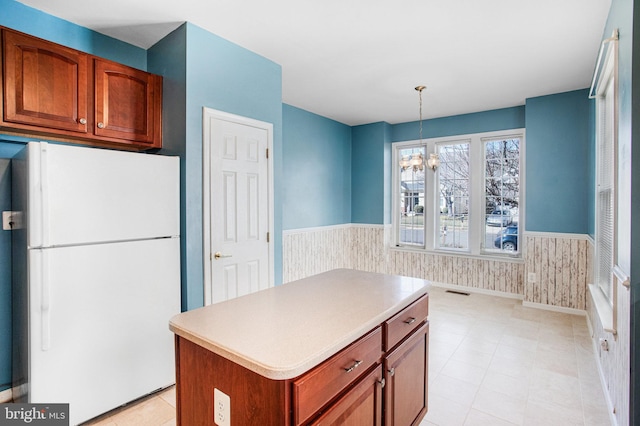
(44, 193)
(45, 306)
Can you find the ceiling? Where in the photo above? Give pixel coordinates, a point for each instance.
(358, 61)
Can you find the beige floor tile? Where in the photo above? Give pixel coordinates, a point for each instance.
(444, 412)
(500, 405)
(550, 386)
(169, 395)
(478, 418)
(152, 412)
(464, 371)
(548, 414)
(501, 383)
(453, 389)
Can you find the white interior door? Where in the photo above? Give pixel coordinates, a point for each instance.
(238, 251)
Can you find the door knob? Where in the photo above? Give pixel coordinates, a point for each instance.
(219, 255)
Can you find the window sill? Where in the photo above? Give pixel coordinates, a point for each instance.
(603, 308)
(451, 253)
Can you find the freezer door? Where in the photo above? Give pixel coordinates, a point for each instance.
(80, 195)
(99, 319)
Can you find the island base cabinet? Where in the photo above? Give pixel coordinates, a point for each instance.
(254, 399)
(406, 372)
(361, 406)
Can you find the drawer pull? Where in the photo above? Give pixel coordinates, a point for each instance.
(410, 320)
(353, 367)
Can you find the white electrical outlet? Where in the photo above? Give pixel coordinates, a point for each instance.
(532, 277)
(221, 408)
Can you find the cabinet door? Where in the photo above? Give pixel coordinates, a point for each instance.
(360, 406)
(406, 371)
(45, 84)
(128, 103)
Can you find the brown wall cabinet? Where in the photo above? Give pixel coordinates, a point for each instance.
(364, 384)
(49, 89)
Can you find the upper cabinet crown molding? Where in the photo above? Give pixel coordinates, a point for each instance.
(49, 89)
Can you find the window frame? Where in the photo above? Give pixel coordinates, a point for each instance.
(477, 214)
(606, 82)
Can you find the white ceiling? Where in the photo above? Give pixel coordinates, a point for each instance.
(358, 61)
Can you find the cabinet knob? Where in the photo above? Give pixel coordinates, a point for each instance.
(82, 121)
(101, 125)
(391, 372)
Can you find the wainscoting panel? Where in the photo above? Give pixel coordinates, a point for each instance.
(560, 264)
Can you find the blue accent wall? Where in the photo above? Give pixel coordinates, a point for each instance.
(209, 71)
(477, 122)
(559, 146)
(316, 177)
(371, 174)
(28, 20)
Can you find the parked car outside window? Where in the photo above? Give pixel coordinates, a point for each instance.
(499, 218)
(507, 239)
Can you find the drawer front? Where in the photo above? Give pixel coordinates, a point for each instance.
(404, 322)
(320, 385)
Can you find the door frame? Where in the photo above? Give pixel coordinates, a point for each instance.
(207, 114)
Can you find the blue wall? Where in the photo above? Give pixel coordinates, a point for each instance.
(478, 122)
(205, 70)
(317, 170)
(559, 169)
(22, 18)
(371, 173)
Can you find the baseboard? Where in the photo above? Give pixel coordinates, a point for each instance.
(571, 311)
(6, 396)
(477, 290)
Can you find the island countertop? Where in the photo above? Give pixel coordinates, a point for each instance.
(286, 330)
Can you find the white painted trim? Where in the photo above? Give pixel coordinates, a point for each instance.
(206, 191)
(567, 236)
(603, 308)
(318, 229)
(561, 309)
(476, 201)
(6, 396)
(478, 290)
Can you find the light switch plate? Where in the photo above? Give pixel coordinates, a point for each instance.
(12, 220)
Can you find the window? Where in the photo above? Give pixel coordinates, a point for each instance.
(453, 196)
(502, 193)
(471, 204)
(605, 183)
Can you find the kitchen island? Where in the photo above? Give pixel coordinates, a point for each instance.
(334, 348)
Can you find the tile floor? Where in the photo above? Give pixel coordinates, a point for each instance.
(492, 362)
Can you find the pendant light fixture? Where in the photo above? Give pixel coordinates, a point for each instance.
(416, 161)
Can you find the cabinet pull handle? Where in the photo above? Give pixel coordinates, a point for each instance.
(101, 125)
(82, 121)
(391, 372)
(410, 320)
(353, 367)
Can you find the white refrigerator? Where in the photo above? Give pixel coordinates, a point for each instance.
(96, 275)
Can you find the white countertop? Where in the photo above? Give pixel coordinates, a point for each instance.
(286, 330)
